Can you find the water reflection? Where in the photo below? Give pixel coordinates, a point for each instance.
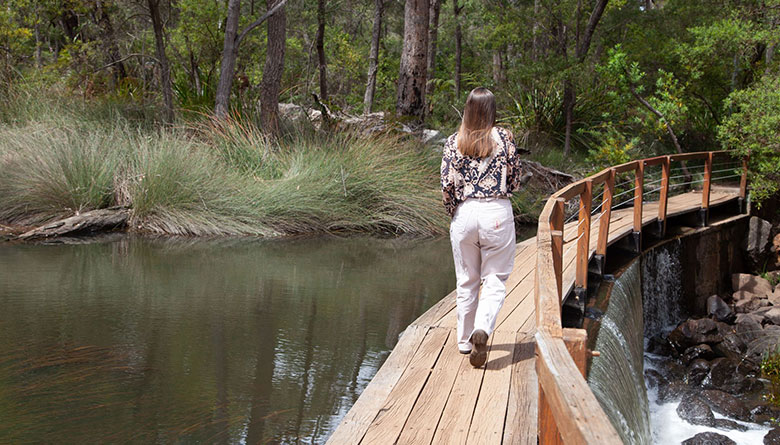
(220, 342)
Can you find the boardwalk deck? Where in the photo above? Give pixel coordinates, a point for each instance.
(427, 393)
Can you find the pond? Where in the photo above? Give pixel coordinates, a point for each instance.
(232, 341)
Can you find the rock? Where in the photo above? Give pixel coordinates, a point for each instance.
(752, 284)
(725, 424)
(655, 379)
(673, 391)
(709, 438)
(732, 347)
(693, 332)
(772, 437)
(772, 316)
(774, 297)
(750, 305)
(757, 242)
(432, 136)
(661, 346)
(695, 411)
(749, 319)
(718, 309)
(726, 404)
(702, 351)
(764, 413)
(733, 377)
(697, 371)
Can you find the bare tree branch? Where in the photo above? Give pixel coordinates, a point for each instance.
(259, 21)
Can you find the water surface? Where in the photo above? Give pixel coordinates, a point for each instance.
(238, 341)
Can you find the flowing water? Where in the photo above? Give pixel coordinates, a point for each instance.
(150, 341)
(616, 376)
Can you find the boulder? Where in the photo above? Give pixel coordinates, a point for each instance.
(733, 377)
(695, 411)
(732, 347)
(709, 438)
(752, 284)
(693, 332)
(673, 391)
(757, 243)
(750, 305)
(655, 379)
(726, 404)
(764, 413)
(725, 424)
(719, 310)
(772, 437)
(703, 351)
(774, 297)
(661, 346)
(697, 371)
(772, 316)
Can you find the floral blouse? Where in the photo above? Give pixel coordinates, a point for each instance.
(469, 177)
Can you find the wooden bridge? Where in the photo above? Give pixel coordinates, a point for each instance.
(532, 386)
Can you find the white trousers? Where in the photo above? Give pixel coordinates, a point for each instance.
(482, 233)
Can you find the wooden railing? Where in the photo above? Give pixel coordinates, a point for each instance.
(568, 410)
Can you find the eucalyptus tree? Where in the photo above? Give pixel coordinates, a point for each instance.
(410, 100)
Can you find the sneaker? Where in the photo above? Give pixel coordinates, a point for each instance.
(467, 351)
(478, 354)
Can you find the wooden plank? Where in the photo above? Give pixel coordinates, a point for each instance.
(580, 418)
(427, 412)
(575, 341)
(556, 227)
(599, 177)
(363, 412)
(689, 156)
(705, 191)
(663, 201)
(570, 191)
(548, 308)
(628, 166)
(387, 425)
(606, 214)
(456, 418)
(639, 190)
(487, 427)
(521, 416)
(649, 162)
(583, 233)
(743, 178)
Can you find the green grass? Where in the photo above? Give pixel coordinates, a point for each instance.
(59, 156)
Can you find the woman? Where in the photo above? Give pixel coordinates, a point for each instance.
(479, 171)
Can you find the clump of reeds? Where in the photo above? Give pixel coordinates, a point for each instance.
(214, 178)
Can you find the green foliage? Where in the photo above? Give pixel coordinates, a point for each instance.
(770, 369)
(612, 146)
(754, 130)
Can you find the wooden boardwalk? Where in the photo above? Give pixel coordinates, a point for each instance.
(428, 393)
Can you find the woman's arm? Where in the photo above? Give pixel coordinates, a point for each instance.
(449, 198)
(513, 168)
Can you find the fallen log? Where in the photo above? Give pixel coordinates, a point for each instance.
(94, 221)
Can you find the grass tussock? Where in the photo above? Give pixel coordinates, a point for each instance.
(211, 178)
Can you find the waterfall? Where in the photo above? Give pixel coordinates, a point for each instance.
(662, 288)
(616, 376)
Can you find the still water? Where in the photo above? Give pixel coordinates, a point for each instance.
(231, 341)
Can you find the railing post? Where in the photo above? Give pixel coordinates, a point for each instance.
(743, 185)
(662, 201)
(556, 232)
(583, 243)
(704, 212)
(600, 258)
(639, 186)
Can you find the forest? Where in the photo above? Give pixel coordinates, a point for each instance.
(172, 108)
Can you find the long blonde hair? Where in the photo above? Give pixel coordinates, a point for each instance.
(479, 116)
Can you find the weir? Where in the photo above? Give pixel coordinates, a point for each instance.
(533, 388)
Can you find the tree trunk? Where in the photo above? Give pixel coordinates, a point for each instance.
(433, 36)
(272, 72)
(458, 50)
(411, 79)
(229, 55)
(165, 70)
(498, 67)
(110, 44)
(535, 45)
(569, 99)
(321, 50)
(373, 57)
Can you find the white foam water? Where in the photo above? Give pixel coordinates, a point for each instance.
(666, 427)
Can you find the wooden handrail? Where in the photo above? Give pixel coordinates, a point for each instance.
(576, 416)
